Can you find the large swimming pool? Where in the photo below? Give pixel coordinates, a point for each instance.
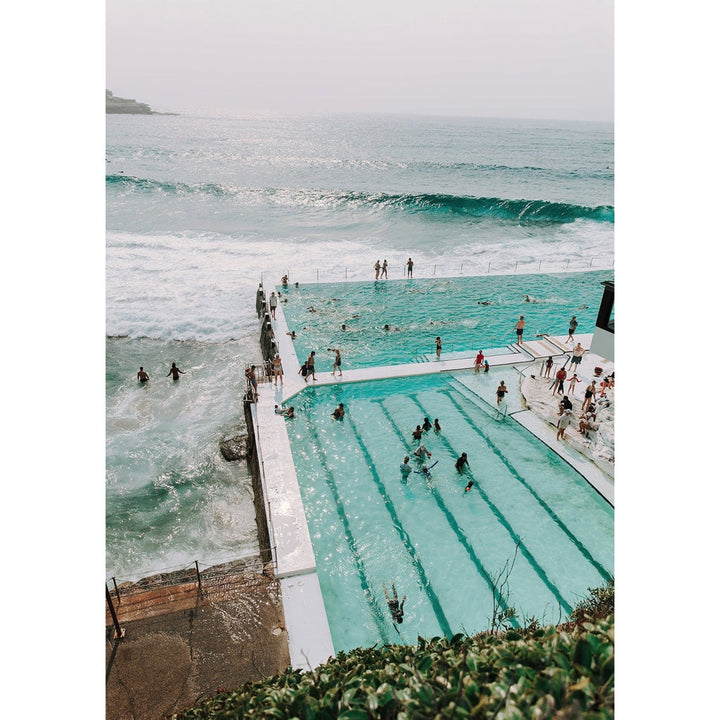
(440, 545)
(418, 311)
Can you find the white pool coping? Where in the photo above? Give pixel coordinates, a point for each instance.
(308, 631)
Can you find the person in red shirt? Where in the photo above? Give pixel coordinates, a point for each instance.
(557, 385)
(479, 361)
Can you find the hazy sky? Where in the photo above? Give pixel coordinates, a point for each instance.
(498, 58)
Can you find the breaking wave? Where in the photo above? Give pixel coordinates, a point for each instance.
(519, 210)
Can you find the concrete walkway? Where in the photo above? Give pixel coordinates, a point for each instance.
(180, 644)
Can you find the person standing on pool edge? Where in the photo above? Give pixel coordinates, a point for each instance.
(562, 424)
(571, 330)
(273, 304)
(337, 363)
(310, 364)
(479, 359)
(410, 267)
(519, 327)
(438, 346)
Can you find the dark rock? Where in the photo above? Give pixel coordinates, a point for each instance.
(235, 448)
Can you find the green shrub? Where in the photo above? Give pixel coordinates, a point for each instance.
(532, 673)
(599, 604)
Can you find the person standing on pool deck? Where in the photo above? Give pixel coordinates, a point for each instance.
(273, 305)
(573, 381)
(310, 364)
(562, 424)
(572, 329)
(277, 369)
(479, 361)
(576, 358)
(557, 385)
(410, 267)
(519, 327)
(589, 395)
(383, 273)
(487, 367)
(377, 268)
(438, 346)
(396, 607)
(337, 363)
(500, 392)
(142, 376)
(175, 372)
(548, 367)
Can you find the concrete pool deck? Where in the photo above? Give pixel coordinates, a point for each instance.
(309, 637)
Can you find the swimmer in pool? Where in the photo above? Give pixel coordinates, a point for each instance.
(396, 606)
(425, 470)
(142, 376)
(461, 463)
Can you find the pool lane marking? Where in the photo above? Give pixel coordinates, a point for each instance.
(504, 522)
(349, 537)
(451, 521)
(425, 582)
(578, 543)
(511, 468)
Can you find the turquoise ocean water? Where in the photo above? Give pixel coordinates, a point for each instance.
(200, 209)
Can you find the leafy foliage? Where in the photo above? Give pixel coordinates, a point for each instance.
(599, 604)
(528, 673)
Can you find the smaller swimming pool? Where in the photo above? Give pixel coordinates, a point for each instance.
(444, 548)
(418, 311)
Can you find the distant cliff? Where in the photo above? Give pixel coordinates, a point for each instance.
(123, 106)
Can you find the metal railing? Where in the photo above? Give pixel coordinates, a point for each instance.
(551, 264)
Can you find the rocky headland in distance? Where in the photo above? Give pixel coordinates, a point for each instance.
(123, 106)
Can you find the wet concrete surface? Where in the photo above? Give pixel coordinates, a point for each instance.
(181, 642)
